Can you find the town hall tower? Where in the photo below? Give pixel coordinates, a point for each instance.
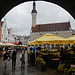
(34, 14)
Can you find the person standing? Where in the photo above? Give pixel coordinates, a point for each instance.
(22, 58)
(13, 59)
(61, 54)
(23, 61)
(34, 49)
(34, 55)
(28, 52)
(5, 58)
(74, 49)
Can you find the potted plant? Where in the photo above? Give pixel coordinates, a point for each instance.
(40, 64)
(66, 70)
(43, 64)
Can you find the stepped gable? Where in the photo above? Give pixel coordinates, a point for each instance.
(64, 26)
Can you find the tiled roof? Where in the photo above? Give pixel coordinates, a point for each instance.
(51, 27)
(17, 43)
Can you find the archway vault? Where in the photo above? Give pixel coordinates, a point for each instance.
(6, 5)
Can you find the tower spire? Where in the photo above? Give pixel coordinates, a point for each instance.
(34, 8)
(34, 14)
(34, 5)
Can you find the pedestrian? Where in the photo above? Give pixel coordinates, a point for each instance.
(23, 51)
(74, 49)
(22, 59)
(34, 49)
(6, 57)
(28, 52)
(61, 54)
(13, 59)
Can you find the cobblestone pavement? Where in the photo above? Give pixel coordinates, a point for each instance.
(29, 70)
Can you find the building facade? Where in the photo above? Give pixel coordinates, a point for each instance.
(59, 29)
(6, 35)
(11, 37)
(24, 39)
(4, 32)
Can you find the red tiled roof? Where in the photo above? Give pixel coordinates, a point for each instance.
(51, 27)
(17, 43)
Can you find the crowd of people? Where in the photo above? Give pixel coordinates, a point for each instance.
(64, 50)
(13, 54)
(7, 55)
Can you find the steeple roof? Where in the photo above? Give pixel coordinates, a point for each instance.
(34, 8)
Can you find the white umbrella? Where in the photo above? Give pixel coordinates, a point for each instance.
(23, 45)
(9, 44)
(2, 44)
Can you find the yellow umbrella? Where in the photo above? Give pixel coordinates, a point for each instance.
(50, 38)
(72, 38)
(33, 43)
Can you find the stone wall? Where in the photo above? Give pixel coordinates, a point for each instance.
(65, 34)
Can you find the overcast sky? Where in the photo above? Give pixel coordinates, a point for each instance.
(20, 19)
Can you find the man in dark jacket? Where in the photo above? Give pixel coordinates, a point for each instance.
(13, 59)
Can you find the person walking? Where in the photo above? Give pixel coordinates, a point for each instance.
(22, 59)
(13, 59)
(74, 49)
(28, 52)
(6, 57)
(61, 54)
